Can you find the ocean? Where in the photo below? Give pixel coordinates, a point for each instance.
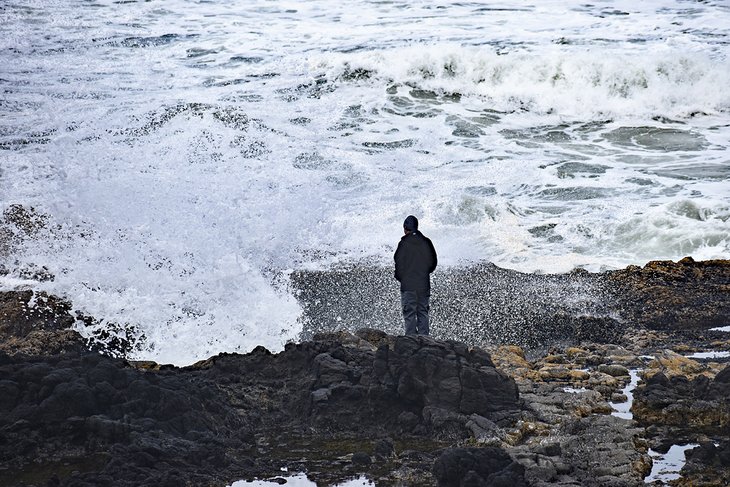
(183, 158)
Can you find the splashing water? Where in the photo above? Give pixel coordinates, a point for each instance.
(188, 157)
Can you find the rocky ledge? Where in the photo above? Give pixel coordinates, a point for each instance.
(682, 401)
(397, 410)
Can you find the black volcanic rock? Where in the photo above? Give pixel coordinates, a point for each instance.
(474, 467)
(400, 410)
(71, 406)
(700, 404)
(327, 383)
(36, 323)
(445, 374)
(234, 416)
(707, 465)
(675, 295)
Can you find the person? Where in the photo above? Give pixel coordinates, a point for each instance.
(415, 260)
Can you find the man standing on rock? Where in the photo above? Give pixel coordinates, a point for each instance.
(415, 260)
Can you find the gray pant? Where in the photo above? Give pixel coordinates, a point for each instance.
(415, 311)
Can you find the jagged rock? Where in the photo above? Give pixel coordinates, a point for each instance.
(235, 416)
(552, 404)
(511, 359)
(682, 295)
(447, 375)
(384, 448)
(707, 465)
(372, 402)
(36, 324)
(361, 458)
(603, 451)
(70, 406)
(699, 404)
(474, 467)
(579, 375)
(673, 364)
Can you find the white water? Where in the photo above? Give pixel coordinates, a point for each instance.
(190, 154)
(299, 480)
(713, 354)
(666, 466)
(623, 409)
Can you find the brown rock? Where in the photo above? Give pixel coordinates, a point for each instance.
(614, 370)
(673, 364)
(579, 375)
(36, 324)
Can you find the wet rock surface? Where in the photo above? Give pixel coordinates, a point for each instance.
(675, 295)
(478, 466)
(400, 410)
(417, 412)
(680, 409)
(707, 465)
(532, 408)
(36, 324)
(81, 418)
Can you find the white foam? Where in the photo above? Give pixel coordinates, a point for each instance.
(165, 215)
(11, 283)
(721, 328)
(575, 83)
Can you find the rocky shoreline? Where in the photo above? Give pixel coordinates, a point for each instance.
(526, 401)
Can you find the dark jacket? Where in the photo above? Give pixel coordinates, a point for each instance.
(415, 258)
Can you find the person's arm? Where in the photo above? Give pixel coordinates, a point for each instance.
(397, 262)
(433, 255)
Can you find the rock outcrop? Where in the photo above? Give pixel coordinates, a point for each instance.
(698, 405)
(675, 295)
(399, 410)
(707, 465)
(242, 416)
(474, 467)
(36, 324)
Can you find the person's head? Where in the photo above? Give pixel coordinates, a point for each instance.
(410, 224)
